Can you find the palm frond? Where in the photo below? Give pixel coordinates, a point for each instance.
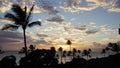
(9, 26)
(34, 23)
(19, 12)
(30, 13)
(11, 17)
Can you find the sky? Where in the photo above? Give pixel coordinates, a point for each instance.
(87, 23)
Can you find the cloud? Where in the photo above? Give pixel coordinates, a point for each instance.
(110, 39)
(70, 5)
(110, 5)
(88, 32)
(41, 41)
(58, 19)
(78, 5)
(102, 3)
(42, 35)
(96, 44)
(7, 34)
(115, 7)
(9, 40)
(87, 8)
(5, 20)
(108, 29)
(37, 38)
(81, 27)
(5, 5)
(47, 7)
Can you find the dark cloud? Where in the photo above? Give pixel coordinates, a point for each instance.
(82, 27)
(115, 7)
(88, 32)
(97, 44)
(41, 41)
(56, 19)
(47, 7)
(10, 37)
(9, 34)
(117, 4)
(14, 40)
(42, 35)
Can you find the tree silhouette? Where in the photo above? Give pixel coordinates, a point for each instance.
(69, 54)
(114, 47)
(69, 43)
(65, 54)
(87, 53)
(61, 51)
(103, 52)
(22, 50)
(108, 50)
(53, 51)
(32, 47)
(74, 52)
(79, 53)
(20, 18)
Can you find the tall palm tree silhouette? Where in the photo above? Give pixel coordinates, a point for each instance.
(69, 43)
(74, 52)
(20, 18)
(61, 53)
(65, 54)
(79, 51)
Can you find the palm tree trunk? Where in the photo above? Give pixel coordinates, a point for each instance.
(71, 56)
(70, 47)
(24, 33)
(61, 57)
(65, 59)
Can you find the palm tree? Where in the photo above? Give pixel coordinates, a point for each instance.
(61, 51)
(20, 18)
(64, 54)
(69, 54)
(114, 47)
(53, 51)
(86, 53)
(103, 51)
(79, 53)
(108, 50)
(32, 47)
(74, 52)
(69, 43)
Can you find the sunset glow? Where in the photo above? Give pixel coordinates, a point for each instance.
(87, 23)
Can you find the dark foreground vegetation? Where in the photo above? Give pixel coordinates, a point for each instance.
(42, 58)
